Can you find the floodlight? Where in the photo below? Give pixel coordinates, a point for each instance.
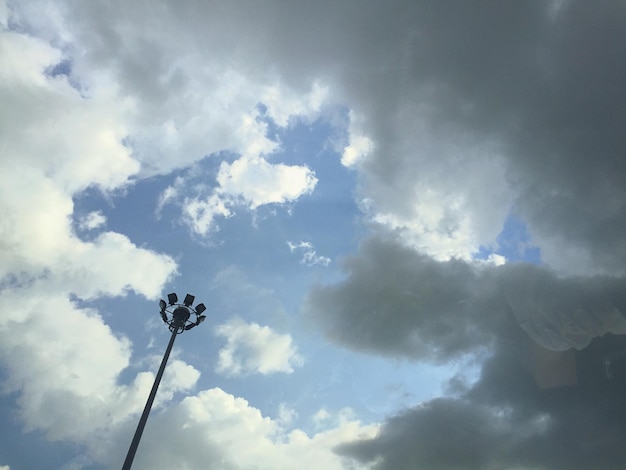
(164, 316)
(162, 304)
(189, 300)
(200, 308)
(200, 319)
(172, 298)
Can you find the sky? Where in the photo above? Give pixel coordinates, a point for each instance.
(406, 220)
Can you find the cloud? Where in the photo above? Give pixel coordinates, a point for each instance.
(441, 434)
(258, 183)
(252, 348)
(92, 221)
(540, 341)
(200, 213)
(360, 146)
(212, 427)
(64, 354)
(486, 121)
(248, 183)
(41, 175)
(309, 255)
(505, 421)
(58, 350)
(396, 301)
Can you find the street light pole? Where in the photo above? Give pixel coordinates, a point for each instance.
(178, 322)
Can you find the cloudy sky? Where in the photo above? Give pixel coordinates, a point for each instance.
(406, 220)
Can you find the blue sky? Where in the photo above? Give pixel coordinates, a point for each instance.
(405, 223)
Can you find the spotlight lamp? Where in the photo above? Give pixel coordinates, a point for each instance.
(181, 317)
(189, 300)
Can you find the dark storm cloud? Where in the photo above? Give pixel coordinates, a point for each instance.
(538, 403)
(395, 301)
(505, 421)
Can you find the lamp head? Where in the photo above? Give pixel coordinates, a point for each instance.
(172, 298)
(180, 315)
(189, 300)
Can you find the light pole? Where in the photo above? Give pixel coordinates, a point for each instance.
(177, 316)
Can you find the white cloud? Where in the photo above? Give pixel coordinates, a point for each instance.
(258, 182)
(63, 355)
(250, 182)
(199, 214)
(40, 176)
(496, 259)
(213, 427)
(285, 415)
(359, 145)
(92, 221)
(309, 255)
(56, 143)
(252, 348)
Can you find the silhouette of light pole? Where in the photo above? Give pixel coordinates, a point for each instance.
(177, 316)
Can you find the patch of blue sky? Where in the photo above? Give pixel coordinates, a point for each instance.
(514, 243)
(63, 70)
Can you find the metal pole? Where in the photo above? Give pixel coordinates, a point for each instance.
(146, 411)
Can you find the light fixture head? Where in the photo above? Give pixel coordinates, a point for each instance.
(172, 298)
(180, 315)
(200, 319)
(200, 308)
(162, 304)
(189, 300)
(164, 316)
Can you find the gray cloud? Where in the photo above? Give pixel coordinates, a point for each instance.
(542, 399)
(505, 421)
(398, 302)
